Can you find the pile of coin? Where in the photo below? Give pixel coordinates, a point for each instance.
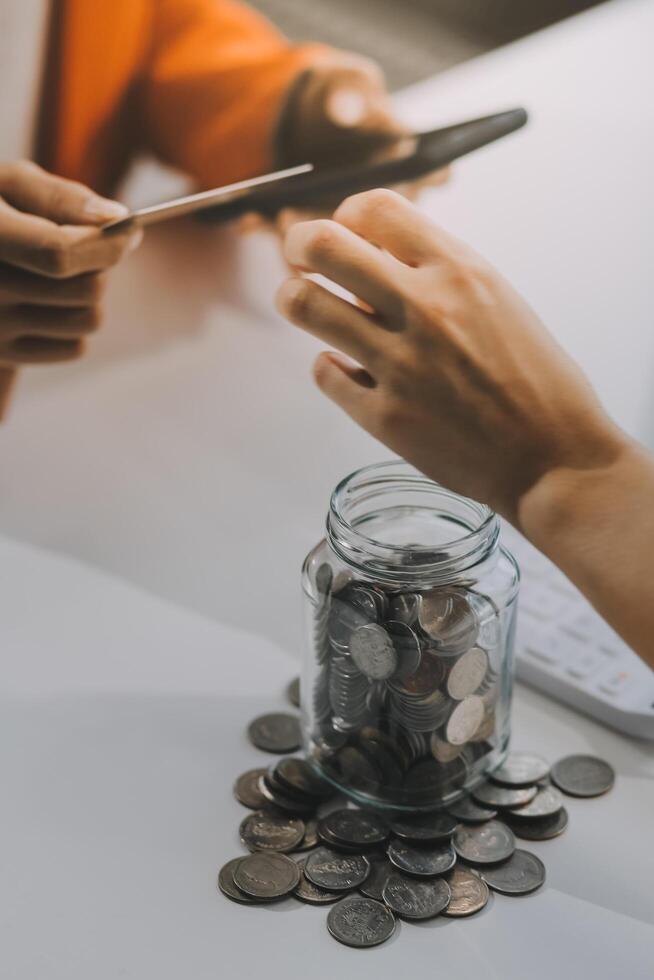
(374, 868)
(405, 683)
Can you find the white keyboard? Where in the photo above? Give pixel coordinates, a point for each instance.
(564, 648)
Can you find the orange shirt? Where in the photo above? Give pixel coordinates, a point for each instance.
(200, 83)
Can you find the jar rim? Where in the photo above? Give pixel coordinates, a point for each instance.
(464, 551)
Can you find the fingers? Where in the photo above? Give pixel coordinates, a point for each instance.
(348, 260)
(7, 382)
(59, 251)
(334, 320)
(390, 221)
(22, 321)
(29, 188)
(346, 384)
(41, 350)
(18, 286)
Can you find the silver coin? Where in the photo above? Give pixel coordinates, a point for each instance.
(547, 801)
(425, 827)
(503, 797)
(448, 619)
(583, 775)
(246, 789)
(407, 647)
(380, 869)
(442, 751)
(227, 886)
(373, 652)
(413, 899)
(521, 874)
(324, 579)
(520, 769)
(298, 776)
(484, 843)
(275, 795)
(276, 732)
(330, 869)
(428, 861)
(266, 830)
(266, 876)
(465, 719)
(360, 922)
(306, 891)
(467, 673)
(355, 828)
(469, 894)
(310, 839)
(545, 828)
(468, 811)
(404, 608)
(293, 692)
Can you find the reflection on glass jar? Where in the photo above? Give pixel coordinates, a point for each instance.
(410, 604)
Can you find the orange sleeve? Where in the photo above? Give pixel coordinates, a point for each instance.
(214, 85)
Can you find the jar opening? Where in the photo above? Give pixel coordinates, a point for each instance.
(389, 519)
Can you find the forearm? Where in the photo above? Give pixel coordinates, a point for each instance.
(597, 525)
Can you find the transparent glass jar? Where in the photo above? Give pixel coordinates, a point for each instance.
(410, 614)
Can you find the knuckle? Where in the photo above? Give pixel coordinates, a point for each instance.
(368, 204)
(321, 241)
(390, 415)
(294, 299)
(56, 260)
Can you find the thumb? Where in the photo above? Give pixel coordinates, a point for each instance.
(29, 188)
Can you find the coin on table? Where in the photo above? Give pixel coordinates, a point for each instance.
(520, 769)
(543, 828)
(583, 775)
(227, 886)
(484, 843)
(503, 797)
(547, 801)
(293, 692)
(411, 898)
(380, 869)
(268, 830)
(521, 874)
(447, 617)
(360, 922)
(467, 810)
(428, 861)
(467, 673)
(310, 839)
(306, 891)
(275, 732)
(373, 652)
(276, 795)
(335, 871)
(298, 776)
(469, 894)
(464, 720)
(266, 876)
(425, 827)
(246, 789)
(355, 828)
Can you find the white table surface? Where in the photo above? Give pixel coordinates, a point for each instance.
(122, 722)
(191, 456)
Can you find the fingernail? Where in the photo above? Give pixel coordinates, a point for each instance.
(102, 209)
(346, 107)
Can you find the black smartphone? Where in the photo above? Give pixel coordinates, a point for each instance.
(433, 150)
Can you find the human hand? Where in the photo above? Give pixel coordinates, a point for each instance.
(454, 371)
(52, 260)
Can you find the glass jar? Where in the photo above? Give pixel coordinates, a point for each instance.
(410, 611)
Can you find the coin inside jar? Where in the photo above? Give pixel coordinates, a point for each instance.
(470, 812)
(467, 673)
(464, 721)
(448, 619)
(373, 652)
(411, 898)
